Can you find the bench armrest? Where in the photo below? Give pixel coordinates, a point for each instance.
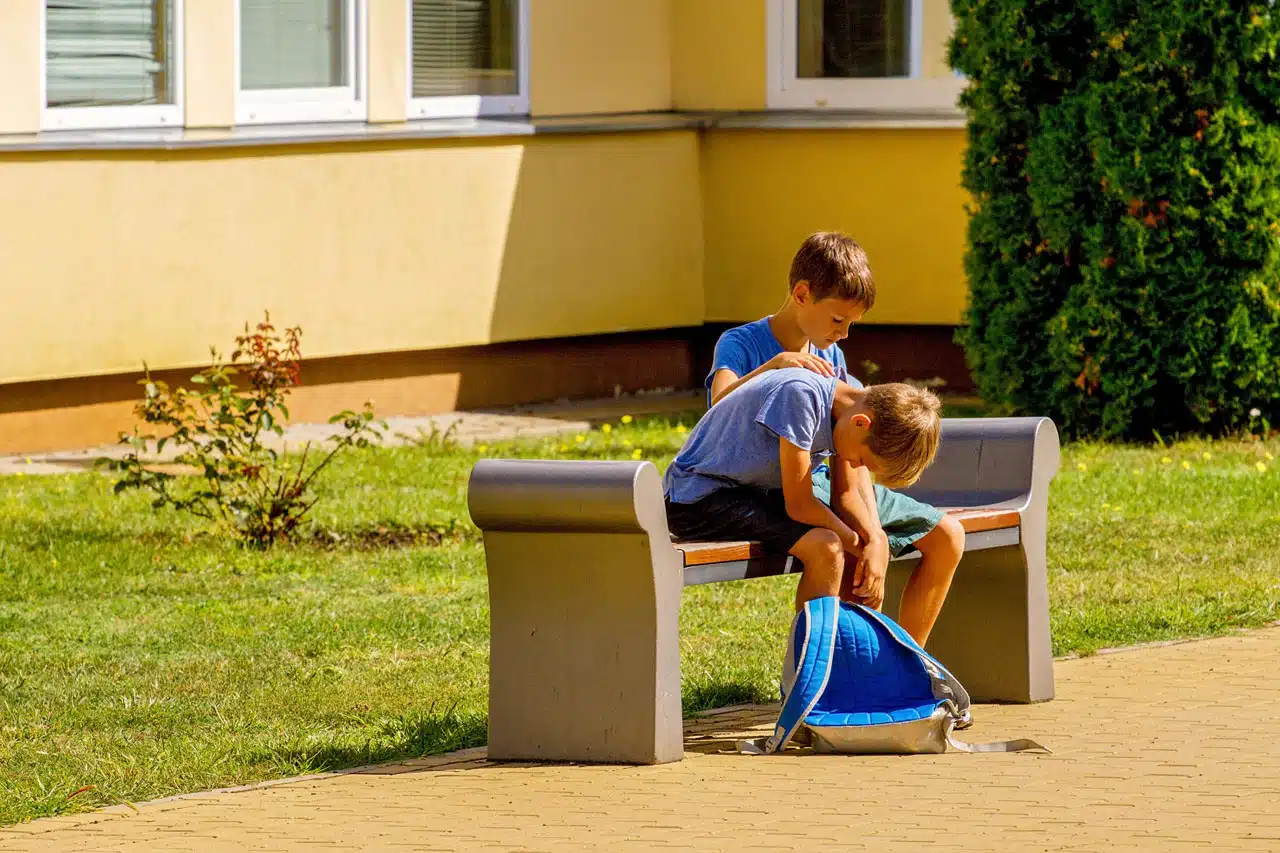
(533, 495)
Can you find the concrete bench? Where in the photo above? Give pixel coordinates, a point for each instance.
(585, 585)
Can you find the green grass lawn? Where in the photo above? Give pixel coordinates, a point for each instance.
(140, 657)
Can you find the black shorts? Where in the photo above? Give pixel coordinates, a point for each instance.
(727, 515)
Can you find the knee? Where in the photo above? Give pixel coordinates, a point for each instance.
(830, 548)
(946, 541)
(825, 550)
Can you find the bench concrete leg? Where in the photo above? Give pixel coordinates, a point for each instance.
(584, 655)
(993, 632)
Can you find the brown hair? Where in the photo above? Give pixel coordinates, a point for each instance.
(905, 430)
(835, 266)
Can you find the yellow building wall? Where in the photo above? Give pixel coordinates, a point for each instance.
(381, 247)
(209, 63)
(388, 61)
(586, 57)
(896, 191)
(19, 67)
(718, 54)
(938, 27)
(112, 258)
(600, 56)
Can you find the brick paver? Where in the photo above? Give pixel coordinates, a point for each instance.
(1168, 748)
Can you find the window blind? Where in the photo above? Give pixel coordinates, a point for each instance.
(108, 52)
(465, 47)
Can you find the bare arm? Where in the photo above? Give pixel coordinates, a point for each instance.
(797, 490)
(853, 495)
(853, 498)
(726, 380)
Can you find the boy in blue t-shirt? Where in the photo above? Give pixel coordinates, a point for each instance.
(830, 289)
(745, 472)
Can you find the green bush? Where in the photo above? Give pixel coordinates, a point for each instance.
(1124, 164)
(221, 431)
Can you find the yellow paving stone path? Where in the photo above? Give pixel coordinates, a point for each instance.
(1160, 749)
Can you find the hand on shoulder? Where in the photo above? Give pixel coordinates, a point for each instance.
(807, 360)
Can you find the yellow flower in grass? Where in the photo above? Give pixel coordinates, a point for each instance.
(564, 448)
(482, 448)
(682, 429)
(626, 442)
(1165, 460)
(579, 438)
(1268, 456)
(1186, 466)
(626, 419)
(636, 454)
(606, 427)
(1080, 466)
(1137, 472)
(1206, 456)
(1262, 467)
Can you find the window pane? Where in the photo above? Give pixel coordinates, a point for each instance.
(465, 47)
(853, 38)
(294, 44)
(109, 53)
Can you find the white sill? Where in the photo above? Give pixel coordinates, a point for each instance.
(247, 136)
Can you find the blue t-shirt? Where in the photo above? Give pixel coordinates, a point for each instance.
(736, 442)
(744, 348)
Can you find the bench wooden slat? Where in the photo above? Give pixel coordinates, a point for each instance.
(707, 553)
(978, 520)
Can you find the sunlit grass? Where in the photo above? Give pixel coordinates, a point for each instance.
(140, 657)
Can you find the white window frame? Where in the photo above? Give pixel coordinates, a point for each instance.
(471, 106)
(888, 94)
(126, 117)
(319, 104)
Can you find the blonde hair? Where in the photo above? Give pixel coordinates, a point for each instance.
(905, 429)
(835, 266)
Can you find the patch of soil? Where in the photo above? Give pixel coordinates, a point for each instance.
(381, 537)
(376, 538)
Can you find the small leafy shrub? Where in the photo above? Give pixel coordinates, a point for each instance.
(434, 440)
(1124, 232)
(240, 480)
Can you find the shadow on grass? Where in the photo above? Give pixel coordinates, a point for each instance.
(413, 735)
(386, 536)
(38, 534)
(427, 732)
(720, 694)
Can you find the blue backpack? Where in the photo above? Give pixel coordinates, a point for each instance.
(854, 681)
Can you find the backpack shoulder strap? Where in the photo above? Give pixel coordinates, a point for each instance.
(814, 639)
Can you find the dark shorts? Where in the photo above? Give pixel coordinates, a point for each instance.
(727, 515)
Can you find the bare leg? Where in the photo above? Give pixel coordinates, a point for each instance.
(823, 556)
(940, 553)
